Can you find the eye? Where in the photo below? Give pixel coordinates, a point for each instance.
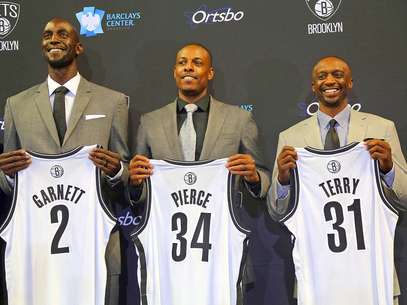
(46, 35)
(338, 74)
(321, 76)
(198, 62)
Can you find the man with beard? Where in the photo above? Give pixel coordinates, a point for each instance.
(62, 113)
(220, 130)
(335, 125)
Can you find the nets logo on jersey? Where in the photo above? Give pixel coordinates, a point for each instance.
(333, 166)
(57, 171)
(190, 178)
(323, 9)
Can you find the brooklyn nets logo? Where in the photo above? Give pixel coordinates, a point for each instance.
(9, 13)
(333, 166)
(323, 9)
(57, 171)
(190, 178)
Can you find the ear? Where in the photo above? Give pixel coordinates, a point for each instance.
(79, 49)
(313, 87)
(173, 72)
(350, 83)
(211, 73)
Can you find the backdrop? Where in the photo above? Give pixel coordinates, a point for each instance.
(263, 52)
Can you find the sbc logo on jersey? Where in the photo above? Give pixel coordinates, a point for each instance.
(57, 171)
(323, 9)
(190, 178)
(333, 166)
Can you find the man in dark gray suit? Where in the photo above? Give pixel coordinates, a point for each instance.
(91, 115)
(222, 130)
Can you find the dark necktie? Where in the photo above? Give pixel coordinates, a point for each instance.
(59, 112)
(331, 139)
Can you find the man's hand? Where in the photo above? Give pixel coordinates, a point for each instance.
(107, 161)
(140, 169)
(380, 150)
(285, 162)
(243, 165)
(14, 161)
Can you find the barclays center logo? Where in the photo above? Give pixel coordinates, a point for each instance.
(90, 19)
(324, 10)
(93, 21)
(203, 15)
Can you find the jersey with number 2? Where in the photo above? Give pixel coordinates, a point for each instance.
(57, 232)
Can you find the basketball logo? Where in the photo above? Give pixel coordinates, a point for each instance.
(9, 14)
(333, 166)
(323, 9)
(190, 178)
(57, 171)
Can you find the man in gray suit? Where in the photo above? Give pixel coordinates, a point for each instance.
(331, 81)
(91, 115)
(221, 130)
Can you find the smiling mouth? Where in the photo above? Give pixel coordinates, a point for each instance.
(331, 90)
(189, 77)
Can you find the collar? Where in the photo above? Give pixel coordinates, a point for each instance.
(202, 103)
(72, 85)
(342, 118)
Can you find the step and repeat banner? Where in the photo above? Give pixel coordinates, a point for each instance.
(263, 53)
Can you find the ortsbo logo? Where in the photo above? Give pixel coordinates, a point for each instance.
(9, 14)
(323, 9)
(204, 15)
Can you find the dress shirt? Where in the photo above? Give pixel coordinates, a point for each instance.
(72, 85)
(342, 128)
(199, 117)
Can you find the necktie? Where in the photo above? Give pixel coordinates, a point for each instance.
(332, 140)
(59, 112)
(187, 134)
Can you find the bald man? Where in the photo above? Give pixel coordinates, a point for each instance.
(331, 83)
(93, 115)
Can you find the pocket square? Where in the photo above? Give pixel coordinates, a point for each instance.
(94, 116)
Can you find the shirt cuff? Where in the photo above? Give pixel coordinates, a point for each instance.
(254, 188)
(116, 177)
(10, 181)
(282, 190)
(389, 177)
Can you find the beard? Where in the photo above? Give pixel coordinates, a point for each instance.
(191, 93)
(62, 62)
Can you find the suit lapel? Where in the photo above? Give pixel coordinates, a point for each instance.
(357, 127)
(81, 101)
(312, 134)
(44, 107)
(169, 119)
(217, 116)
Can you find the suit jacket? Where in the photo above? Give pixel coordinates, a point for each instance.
(361, 126)
(29, 124)
(230, 130)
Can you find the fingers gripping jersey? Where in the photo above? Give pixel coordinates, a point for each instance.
(191, 246)
(343, 228)
(57, 232)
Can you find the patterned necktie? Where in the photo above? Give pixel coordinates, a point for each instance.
(332, 139)
(187, 134)
(59, 112)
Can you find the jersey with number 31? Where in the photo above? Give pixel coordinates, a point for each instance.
(57, 232)
(343, 228)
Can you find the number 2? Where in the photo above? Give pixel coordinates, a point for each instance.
(55, 248)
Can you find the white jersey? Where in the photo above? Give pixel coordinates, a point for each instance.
(343, 229)
(57, 232)
(191, 246)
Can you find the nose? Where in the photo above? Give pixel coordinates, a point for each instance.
(330, 79)
(189, 66)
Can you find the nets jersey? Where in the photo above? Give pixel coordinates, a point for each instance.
(343, 228)
(57, 232)
(191, 246)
